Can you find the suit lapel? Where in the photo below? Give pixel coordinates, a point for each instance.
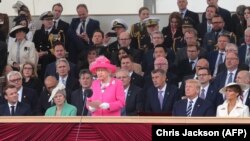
(196, 107)
(166, 95)
(155, 99)
(248, 99)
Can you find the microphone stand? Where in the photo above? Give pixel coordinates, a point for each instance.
(83, 110)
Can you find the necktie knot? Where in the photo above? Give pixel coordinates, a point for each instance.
(64, 82)
(202, 94)
(220, 61)
(82, 29)
(230, 78)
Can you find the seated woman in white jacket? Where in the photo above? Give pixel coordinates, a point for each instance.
(233, 106)
(22, 50)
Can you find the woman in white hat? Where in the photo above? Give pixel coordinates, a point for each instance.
(21, 50)
(61, 108)
(108, 97)
(233, 106)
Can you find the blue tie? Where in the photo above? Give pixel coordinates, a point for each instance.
(230, 79)
(189, 108)
(220, 59)
(202, 94)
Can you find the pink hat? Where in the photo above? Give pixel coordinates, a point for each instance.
(102, 62)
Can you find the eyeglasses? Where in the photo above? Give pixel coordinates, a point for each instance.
(15, 80)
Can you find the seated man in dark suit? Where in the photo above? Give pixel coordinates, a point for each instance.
(187, 66)
(208, 91)
(25, 95)
(230, 47)
(69, 81)
(161, 97)
(127, 64)
(59, 52)
(193, 105)
(43, 104)
(133, 95)
(77, 97)
(13, 107)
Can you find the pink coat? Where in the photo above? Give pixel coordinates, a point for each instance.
(113, 94)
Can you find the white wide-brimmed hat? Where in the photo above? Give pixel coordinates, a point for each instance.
(17, 28)
(242, 86)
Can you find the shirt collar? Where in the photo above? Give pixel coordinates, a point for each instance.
(12, 105)
(163, 88)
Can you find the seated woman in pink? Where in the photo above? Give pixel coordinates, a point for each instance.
(108, 94)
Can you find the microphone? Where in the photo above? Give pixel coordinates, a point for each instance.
(87, 93)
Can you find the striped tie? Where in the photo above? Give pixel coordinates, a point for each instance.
(189, 108)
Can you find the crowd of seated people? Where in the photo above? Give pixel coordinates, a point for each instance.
(187, 68)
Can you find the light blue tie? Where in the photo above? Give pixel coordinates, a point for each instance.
(160, 97)
(64, 82)
(202, 95)
(189, 108)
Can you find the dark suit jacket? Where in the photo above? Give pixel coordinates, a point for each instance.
(22, 109)
(62, 25)
(194, 16)
(4, 28)
(137, 80)
(202, 29)
(212, 58)
(51, 70)
(152, 102)
(214, 96)
(134, 101)
(184, 69)
(78, 45)
(30, 97)
(221, 78)
(78, 101)
(242, 53)
(3, 54)
(201, 108)
(71, 85)
(43, 103)
(248, 99)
